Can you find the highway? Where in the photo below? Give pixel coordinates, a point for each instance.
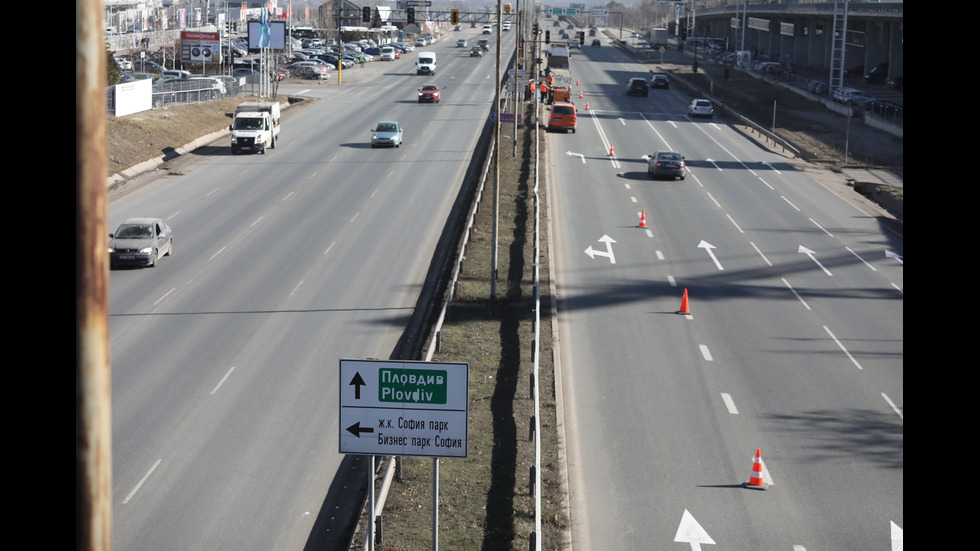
(791, 344)
(225, 355)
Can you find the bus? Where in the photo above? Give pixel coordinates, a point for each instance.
(507, 8)
(303, 32)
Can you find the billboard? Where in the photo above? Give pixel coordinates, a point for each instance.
(200, 46)
(266, 33)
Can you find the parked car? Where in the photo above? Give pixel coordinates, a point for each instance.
(216, 85)
(637, 87)
(176, 73)
(387, 133)
(701, 108)
(878, 75)
(251, 76)
(124, 63)
(140, 242)
(389, 53)
(660, 81)
(314, 72)
(666, 164)
(858, 99)
(841, 94)
(429, 93)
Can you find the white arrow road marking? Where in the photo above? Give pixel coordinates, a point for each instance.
(608, 252)
(810, 253)
(708, 246)
(689, 531)
(898, 538)
(579, 155)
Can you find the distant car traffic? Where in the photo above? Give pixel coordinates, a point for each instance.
(666, 164)
(701, 108)
(387, 134)
(660, 81)
(476, 51)
(596, 42)
(140, 242)
(429, 93)
(461, 43)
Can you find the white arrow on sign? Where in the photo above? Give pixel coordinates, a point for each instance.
(579, 155)
(708, 246)
(608, 252)
(810, 253)
(689, 531)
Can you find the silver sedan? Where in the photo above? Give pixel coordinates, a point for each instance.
(140, 242)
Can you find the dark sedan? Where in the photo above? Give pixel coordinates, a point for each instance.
(666, 164)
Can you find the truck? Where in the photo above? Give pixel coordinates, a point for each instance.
(559, 74)
(658, 37)
(426, 64)
(255, 127)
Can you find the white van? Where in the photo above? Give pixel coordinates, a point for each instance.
(387, 53)
(487, 29)
(426, 64)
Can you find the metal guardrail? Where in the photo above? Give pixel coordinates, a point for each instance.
(535, 474)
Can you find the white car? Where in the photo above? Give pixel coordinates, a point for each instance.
(701, 108)
(124, 63)
(387, 134)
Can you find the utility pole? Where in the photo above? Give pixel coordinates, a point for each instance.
(93, 421)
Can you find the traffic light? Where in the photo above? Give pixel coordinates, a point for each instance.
(535, 29)
(367, 14)
(410, 14)
(547, 36)
(581, 37)
(454, 17)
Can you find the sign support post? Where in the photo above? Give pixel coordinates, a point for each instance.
(404, 408)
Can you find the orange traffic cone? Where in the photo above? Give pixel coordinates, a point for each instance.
(580, 94)
(684, 309)
(643, 218)
(755, 481)
(576, 82)
(586, 106)
(611, 150)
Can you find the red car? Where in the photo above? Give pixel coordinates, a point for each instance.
(429, 93)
